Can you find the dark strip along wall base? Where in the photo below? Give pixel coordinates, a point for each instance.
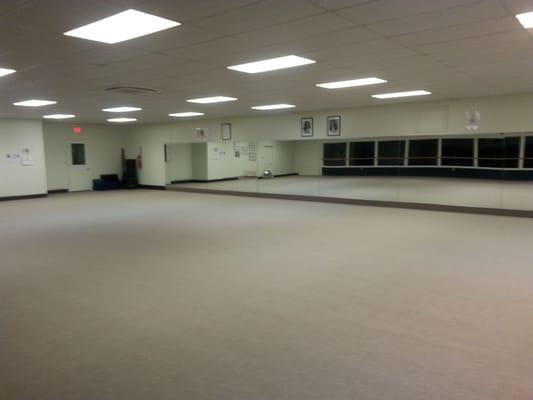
(432, 172)
(152, 187)
(25, 197)
(370, 203)
(235, 178)
(55, 191)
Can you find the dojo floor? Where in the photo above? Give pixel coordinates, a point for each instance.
(441, 191)
(164, 295)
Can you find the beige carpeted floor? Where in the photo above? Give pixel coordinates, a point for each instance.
(164, 295)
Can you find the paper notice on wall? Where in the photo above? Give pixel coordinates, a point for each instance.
(237, 149)
(12, 158)
(27, 158)
(252, 152)
(244, 149)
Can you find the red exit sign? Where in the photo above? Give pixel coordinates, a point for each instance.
(76, 130)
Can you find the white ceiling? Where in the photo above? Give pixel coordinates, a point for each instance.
(454, 48)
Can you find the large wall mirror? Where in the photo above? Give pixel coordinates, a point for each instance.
(483, 171)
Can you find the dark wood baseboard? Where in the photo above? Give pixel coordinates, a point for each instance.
(152, 187)
(24, 197)
(235, 178)
(370, 203)
(281, 175)
(55, 191)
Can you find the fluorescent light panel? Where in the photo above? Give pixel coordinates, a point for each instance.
(59, 116)
(214, 99)
(6, 71)
(122, 109)
(351, 83)
(186, 114)
(122, 120)
(401, 94)
(129, 24)
(273, 107)
(272, 64)
(34, 103)
(526, 19)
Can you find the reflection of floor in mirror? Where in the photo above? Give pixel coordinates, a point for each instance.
(445, 191)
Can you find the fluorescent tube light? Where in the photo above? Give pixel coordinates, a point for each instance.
(401, 94)
(526, 19)
(272, 64)
(34, 103)
(122, 120)
(209, 100)
(129, 24)
(351, 83)
(6, 71)
(59, 116)
(186, 114)
(121, 109)
(273, 107)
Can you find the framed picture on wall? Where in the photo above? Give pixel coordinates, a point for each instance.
(306, 127)
(334, 125)
(226, 131)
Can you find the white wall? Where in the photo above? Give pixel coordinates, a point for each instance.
(283, 158)
(103, 150)
(179, 162)
(308, 157)
(16, 179)
(199, 161)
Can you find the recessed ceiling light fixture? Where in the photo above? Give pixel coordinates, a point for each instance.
(34, 103)
(129, 24)
(121, 109)
(214, 99)
(186, 114)
(351, 83)
(122, 120)
(272, 64)
(59, 116)
(273, 107)
(6, 71)
(526, 19)
(401, 94)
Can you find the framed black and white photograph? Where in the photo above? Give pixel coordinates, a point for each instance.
(306, 127)
(334, 125)
(226, 131)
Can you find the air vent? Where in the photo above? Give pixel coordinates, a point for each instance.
(130, 90)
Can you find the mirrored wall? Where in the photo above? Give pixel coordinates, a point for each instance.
(483, 171)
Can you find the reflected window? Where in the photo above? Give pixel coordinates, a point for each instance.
(362, 153)
(458, 152)
(391, 152)
(423, 152)
(335, 154)
(528, 155)
(512, 152)
(499, 153)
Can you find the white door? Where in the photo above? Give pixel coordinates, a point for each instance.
(79, 171)
(267, 159)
